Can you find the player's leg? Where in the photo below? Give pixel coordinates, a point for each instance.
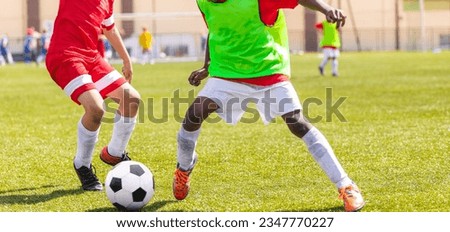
(9, 57)
(2, 60)
(27, 57)
(322, 152)
(128, 99)
(40, 58)
(324, 61)
(88, 129)
(187, 137)
(335, 62)
(71, 75)
(220, 96)
(151, 58)
(288, 106)
(145, 56)
(216, 94)
(318, 146)
(111, 84)
(334, 66)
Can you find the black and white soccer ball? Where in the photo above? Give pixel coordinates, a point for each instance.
(129, 185)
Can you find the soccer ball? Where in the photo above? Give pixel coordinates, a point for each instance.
(129, 185)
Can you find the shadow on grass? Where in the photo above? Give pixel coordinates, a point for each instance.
(154, 207)
(148, 208)
(33, 198)
(322, 210)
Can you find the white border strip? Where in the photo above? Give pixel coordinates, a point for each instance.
(108, 22)
(77, 83)
(107, 80)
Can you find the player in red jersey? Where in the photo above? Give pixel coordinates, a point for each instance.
(76, 65)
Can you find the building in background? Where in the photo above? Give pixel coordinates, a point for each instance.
(178, 26)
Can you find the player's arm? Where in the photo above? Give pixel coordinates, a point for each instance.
(198, 75)
(116, 41)
(332, 14)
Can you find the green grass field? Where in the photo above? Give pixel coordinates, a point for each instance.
(413, 5)
(394, 143)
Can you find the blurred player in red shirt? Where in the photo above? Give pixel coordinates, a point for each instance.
(76, 65)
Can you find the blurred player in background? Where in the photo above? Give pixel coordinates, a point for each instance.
(2, 60)
(247, 57)
(30, 45)
(75, 64)
(44, 43)
(4, 49)
(104, 48)
(145, 41)
(108, 49)
(330, 45)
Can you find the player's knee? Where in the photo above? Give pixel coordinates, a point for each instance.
(194, 116)
(297, 123)
(191, 122)
(299, 128)
(131, 95)
(95, 114)
(134, 100)
(130, 102)
(135, 96)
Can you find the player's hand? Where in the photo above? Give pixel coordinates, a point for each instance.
(336, 16)
(197, 76)
(127, 71)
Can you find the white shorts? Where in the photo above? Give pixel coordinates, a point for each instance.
(233, 98)
(331, 52)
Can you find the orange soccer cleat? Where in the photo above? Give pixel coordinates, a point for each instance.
(181, 181)
(353, 200)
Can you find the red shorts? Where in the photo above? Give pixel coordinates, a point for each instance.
(77, 75)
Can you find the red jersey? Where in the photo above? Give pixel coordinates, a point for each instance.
(78, 25)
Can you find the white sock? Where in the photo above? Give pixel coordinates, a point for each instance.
(187, 141)
(334, 66)
(322, 152)
(85, 146)
(324, 61)
(123, 127)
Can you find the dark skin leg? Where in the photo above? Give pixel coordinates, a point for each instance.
(198, 111)
(202, 107)
(297, 123)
